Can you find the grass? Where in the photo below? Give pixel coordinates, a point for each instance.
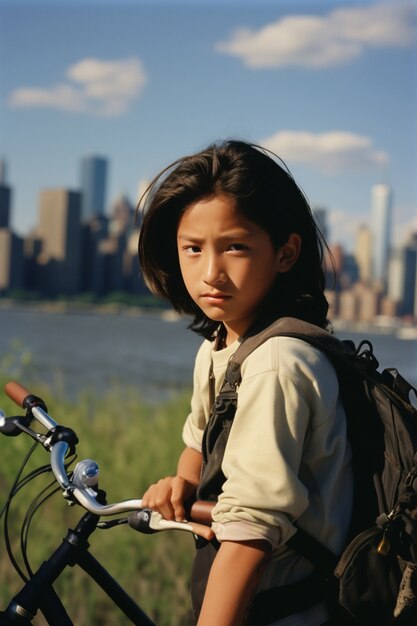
(134, 445)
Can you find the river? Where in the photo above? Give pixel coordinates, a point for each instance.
(81, 350)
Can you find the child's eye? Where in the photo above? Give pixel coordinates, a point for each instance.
(237, 247)
(192, 250)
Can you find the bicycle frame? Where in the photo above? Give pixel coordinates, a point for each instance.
(38, 593)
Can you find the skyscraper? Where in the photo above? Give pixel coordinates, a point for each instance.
(363, 252)
(381, 210)
(5, 195)
(60, 233)
(396, 274)
(11, 261)
(3, 172)
(93, 186)
(410, 277)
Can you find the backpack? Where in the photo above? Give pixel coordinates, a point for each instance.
(374, 580)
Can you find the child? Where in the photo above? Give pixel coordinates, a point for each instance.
(228, 238)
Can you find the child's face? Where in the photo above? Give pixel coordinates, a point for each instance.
(228, 263)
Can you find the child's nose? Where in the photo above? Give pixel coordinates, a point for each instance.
(214, 272)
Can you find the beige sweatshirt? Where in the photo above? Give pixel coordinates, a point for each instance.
(287, 456)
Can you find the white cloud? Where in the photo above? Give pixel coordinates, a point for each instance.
(323, 41)
(332, 152)
(102, 88)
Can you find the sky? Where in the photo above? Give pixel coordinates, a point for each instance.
(330, 86)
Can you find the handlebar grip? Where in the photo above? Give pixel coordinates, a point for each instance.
(17, 393)
(201, 512)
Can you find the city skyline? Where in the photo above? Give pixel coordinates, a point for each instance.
(88, 254)
(329, 86)
(323, 214)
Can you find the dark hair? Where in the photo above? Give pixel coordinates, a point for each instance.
(266, 194)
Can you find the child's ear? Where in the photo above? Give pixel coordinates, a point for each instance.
(288, 253)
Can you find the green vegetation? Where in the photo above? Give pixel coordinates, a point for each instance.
(133, 445)
(123, 298)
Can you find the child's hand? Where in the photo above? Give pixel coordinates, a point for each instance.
(202, 530)
(168, 495)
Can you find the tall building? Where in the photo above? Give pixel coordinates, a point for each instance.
(3, 172)
(410, 278)
(94, 231)
(402, 277)
(11, 261)
(122, 216)
(93, 186)
(5, 201)
(60, 233)
(381, 218)
(396, 275)
(363, 253)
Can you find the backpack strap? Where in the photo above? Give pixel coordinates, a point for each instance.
(288, 327)
(323, 559)
(302, 542)
(224, 408)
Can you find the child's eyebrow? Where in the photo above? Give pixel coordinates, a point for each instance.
(227, 236)
(190, 238)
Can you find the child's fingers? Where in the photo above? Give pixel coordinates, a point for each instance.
(158, 498)
(202, 531)
(167, 497)
(177, 498)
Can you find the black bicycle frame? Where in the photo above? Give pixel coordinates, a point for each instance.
(38, 593)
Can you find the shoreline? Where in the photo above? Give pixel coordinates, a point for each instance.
(80, 308)
(382, 326)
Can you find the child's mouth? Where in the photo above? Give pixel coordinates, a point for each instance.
(214, 298)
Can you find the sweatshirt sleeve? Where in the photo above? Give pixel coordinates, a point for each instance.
(262, 493)
(286, 414)
(193, 429)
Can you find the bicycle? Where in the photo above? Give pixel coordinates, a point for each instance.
(79, 486)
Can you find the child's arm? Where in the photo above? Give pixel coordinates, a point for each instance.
(234, 577)
(169, 494)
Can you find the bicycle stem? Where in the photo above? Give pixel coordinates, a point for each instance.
(43, 417)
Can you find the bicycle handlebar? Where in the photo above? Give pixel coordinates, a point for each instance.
(59, 440)
(17, 393)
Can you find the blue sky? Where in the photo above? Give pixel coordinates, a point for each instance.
(330, 86)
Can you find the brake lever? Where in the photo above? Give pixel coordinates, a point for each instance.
(17, 424)
(13, 426)
(148, 522)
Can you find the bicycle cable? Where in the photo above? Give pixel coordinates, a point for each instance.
(5, 512)
(16, 479)
(111, 523)
(36, 503)
(17, 485)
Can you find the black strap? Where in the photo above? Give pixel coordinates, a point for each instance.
(223, 411)
(279, 602)
(322, 558)
(289, 327)
(214, 443)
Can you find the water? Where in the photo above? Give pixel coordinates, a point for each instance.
(75, 351)
(86, 350)
(391, 351)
